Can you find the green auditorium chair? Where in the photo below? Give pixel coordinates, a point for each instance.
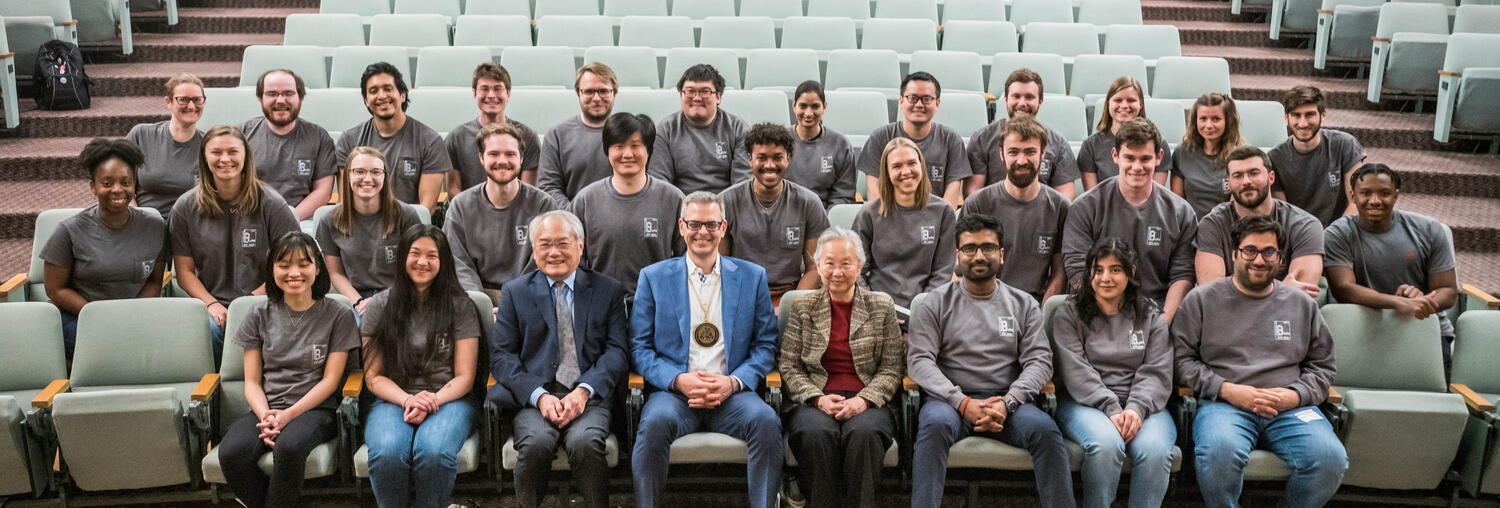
(781, 69)
(443, 108)
(1262, 123)
(306, 61)
(422, 215)
(1092, 75)
(1478, 19)
(972, 10)
(1185, 78)
(723, 60)
(958, 71)
(1237, 6)
(495, 32)
(1150, 42)
(541, 109)
(449, 8)
(861, 189)
(104, 20)
(983, 37)
(1476, 351)
(964, 112)
(498, 8)
(877, 70)
(700, 9)
(8, 88)
(741, 33)
(1068, 116)
(634, 66)
(819, 33)
(349, 63)
(229, 106)
(326, 31)
(31, 359)
(774, 9)
(1344, 30)
(855, 114)
(149, 379)
(27, 287)
(1402, 428)
(843, 215)
(1067, 40)
(1299, 15)
(539, 66)
(1408, 48)
(410, 31)
(442, 66)
(170, 6)
(334, 109)
(758, 106)
(657, 32)
(364, 8)
(1169, 117)
(908, 9)
(24, 35)
(852, 9)
(1469, 86)
(57, 13)
(576, 32)
(546, 8)
(656, 104)
(900, 35)
(635, 7)
(1024, 12)
(1110, 12)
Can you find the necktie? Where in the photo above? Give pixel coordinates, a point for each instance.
(567, 368)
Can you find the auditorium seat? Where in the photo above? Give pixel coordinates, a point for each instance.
(1048, 66)
(546, 8)
(757, 106)
(1344, 30)
(958, 71)
(58, 14)
(99, 20)
(1469, 86)
(634, 66)
(1185, 78)
(741, 33)
(1024, 12)
(1478, 19)
(1066, 115)
(335, 109)
(229, 106)
(723, 60)
(1169, 116)
(908, 9)
(349, 63)
(876, 70)
(27, 287)
(449, 65)
(656, 104)
(900, 35)
(1149, 42)
(25, 34)
(1067, 40)
(855, 114)
(1476, 351)
(819, 33)
(1102, 13)
(577, 32)
(1092, 75)
(539, 66)
(306, 61)
(657, 32)
(326, 31)
(498, 8)
(449, 8)
(983, 37)
(1408, 48)
(444, 108)
(8, 89)
(972, 10)
(31, 358)
(635, 7)
(964, 112)
(700, 9)
(1299, 15)
(493, 32)
(781, 69)
(364, 8)
(774, 9)
(853, 9)
(541, 109)
(1262, 123)
(411, 31)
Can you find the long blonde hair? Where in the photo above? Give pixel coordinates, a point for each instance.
(390, 210)
(249, 198)
(887, 189)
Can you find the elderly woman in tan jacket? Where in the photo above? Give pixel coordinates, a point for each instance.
(842, 359)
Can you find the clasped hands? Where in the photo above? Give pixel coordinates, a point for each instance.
(561, 412)
(704, 390)
(418, 406)
(1413, 302)
(840, 407)
(987, 415)
(1265, 402)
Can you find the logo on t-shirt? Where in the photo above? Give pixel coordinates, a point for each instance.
(1283, 329)
(826, 164)
(719, 151)
(248, 237)
(319, 353)
(408, 167)
(929, 235)
(522, 234)
(304, 167)
(443, 344)
(1223, 187)
(1137, 340)
(1044, 244)
(1153, 236)
(1044, 172)
(146, 267)
(937, 172)
(793, 235)
(390, 253)
(1333, 178)
(1009, 327)
(652, 227)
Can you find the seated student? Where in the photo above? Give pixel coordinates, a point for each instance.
(296, 346)
(1023, 94)
(979, 351)
(1250, 181)
(414, 151)
(221, 230)
(1198, 163)
(360, 235)
(1125, 100)
(172, 147)
(572, 156)
(1258, 355)
(774, 223)
(907, 231)
(558, 352)
(110, 250)
(628, 217)
(947, 164)
(702, 146)
(823, 160)
(1157, 224)
(1313, 164)
(420, 360)
(297, 156)
(841, 374)
(1390, 259)
(1031, 214)
(1114, 359)
(491, 84)
(487, 223)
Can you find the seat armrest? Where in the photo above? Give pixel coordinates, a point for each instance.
(6, 55)
(70, 22)
(1049, 389)
(1380, 39)
(773, 389)
(636, 382)
(205, 388)
(10, 289)
(44, 399)
(1325, 11)
(1469, 290)
(166, 279)
(1184, 392)
(1334, 397)
(773, 380)
(1472, 399)
(491, 382)
(909, 385)
(354, 384)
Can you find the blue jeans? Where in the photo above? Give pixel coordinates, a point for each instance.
(939, 426)
(416, 465)
(1104, 455)
(216, 334)
(70, 331)
(1225, 435)
(743, 415)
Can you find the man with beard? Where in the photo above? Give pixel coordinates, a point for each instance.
(942, 147)
(292, 155)
(1058, 168)
(1158, 224)
(1259, 357)
(701, 147)
(572, 156)
(1314, 163)
(1033, 214)
(491, 84)
(488, 224)
(978, 349)
(413, 151)
(774, 223)
(703, 336)
(1249, 177)
(1390, 259)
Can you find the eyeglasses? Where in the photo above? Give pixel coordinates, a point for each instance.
(710, 225)
(597, 92)
(274, 95)
(183, 101)
(1270, 254)
(561, 245)
(925, 100)
(700, 92)
(970, 248)
(374, 173)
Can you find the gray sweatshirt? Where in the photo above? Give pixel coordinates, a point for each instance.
(1304, 235)
(909, 251)
(961, 342)
(628, 232)
(1059, 166)
(1161, 230)
(942, 149)
(572, 157)
(492, 245)
(825, 165)
(701, 158)
(1113, 366)
(463, 151)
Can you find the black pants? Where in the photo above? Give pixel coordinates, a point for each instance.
(839, 463)
(582, 440)
(241, 448)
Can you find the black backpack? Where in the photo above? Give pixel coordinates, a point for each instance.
(61, 81)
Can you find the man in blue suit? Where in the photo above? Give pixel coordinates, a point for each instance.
(558, 353)
(703, 335)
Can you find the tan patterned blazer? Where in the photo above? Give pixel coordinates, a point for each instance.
(874, 339)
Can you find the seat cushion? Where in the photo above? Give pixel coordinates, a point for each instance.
(1401, 439)
(90, 426)
(1478, 98)
(707, 448)
(15, 476)
(892, 455)
(988, 453)
(184, 391)
(320, 463)
(1265, 466)
(468, 458)
(509, 456)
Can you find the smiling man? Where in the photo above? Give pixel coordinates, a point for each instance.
(491, 84)
(1313, 164)
(414, 152)
(1249, 177)
(572, 157)
(773, 222)
(942, 147)
(1058, 168)
(701, 147)
(488, 224)
(293, 156)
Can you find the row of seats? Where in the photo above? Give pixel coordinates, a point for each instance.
(945, 11)
(1410, 42)
(74, 20)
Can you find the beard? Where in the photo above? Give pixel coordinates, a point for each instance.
(1257, 200)
(1251, 281)
(1021, 178)
(979, 271)
(271, 119)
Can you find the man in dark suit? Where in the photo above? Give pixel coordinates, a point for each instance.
(559, 351)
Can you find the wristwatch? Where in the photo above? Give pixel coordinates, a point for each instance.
(1011, 404)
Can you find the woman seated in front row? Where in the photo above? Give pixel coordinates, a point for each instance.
(296, 346)
(421, 352)
(362, 232)
(1114, 357)
(842, 360)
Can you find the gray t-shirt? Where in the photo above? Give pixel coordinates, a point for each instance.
(1304, 236)
(105, 264)
(1161, 230)
(1111, 365)
(1095, 157)
(943, 149)
(1204, 184)
(294, 346)
(492, 245)
(1059, 167)
(1276, 341)
(435, 346)
(774, 237)
(1409, 253)
(229, 250)
(463, 152)
(825, 165)
(1032, 232)
(628, 232)
(413, 151)
(291, 163)
(367, 254)
(572, 157)
(991, 344)
(708, 158)
(909, 251)
(171, 167)
(1314, 181)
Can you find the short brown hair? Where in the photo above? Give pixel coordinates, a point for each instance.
(1302, 95)
(183, 78)
(1137, 132)
(597, 69)
(1024, 75)
(1244, 152)
(504, 129)
(1026, 127)
(490, 71)
(260, 84)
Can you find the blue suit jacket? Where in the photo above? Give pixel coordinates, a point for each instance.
(524, 347)
(659, 324)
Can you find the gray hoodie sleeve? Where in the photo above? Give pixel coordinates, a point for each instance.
(1153, 379)
(943, 259)
(1036, 357)
(922, 345)
(1080, 377)
(463, 263)
(1317, 368)
(1078, 238)
(549, 176)
(844, 183)
(1186, 331)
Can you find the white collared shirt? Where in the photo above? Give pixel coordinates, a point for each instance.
(706, 359)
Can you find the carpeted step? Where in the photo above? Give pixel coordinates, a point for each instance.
(128, 79)
(1482, 269)
(20, 202)
(1340, 93)
(15, 255)
(248, 3)
(1257, 60)
(1475, 221)
(109, 116)
(1442, 173)
(1386, 129)
(1224, 33)
(194, 47)
(219, 20)
(1192, 10)
(42, 158)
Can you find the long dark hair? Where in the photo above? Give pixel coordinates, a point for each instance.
(401, 359)
(1086, 302)
(295, 242)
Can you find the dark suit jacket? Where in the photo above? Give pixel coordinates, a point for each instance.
(524, 346)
